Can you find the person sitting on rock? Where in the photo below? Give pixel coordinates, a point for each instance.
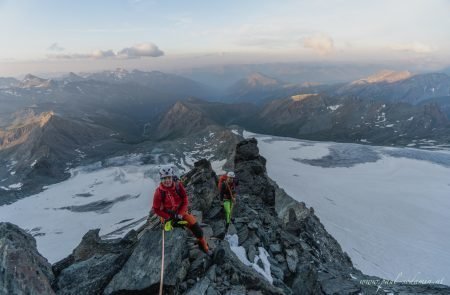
(228, 192)
(170, 202)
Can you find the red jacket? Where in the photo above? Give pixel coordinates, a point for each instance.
(172, 201)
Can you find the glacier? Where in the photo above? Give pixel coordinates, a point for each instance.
(388, 207)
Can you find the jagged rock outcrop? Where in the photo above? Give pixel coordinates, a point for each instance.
(305, 258)
(251, 168)
(203, 188)
(22, 269)
(297, 261)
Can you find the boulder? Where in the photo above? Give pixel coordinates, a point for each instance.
(22, 269)
(90, 276)
(91, 244)
(275, 248)
(141, 273)
(291, 259)
(200, 287)
(306, 281)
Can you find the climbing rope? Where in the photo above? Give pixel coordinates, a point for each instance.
(162, 265)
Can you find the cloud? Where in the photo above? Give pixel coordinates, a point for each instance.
(102, 53)
(141, 50)
(136, 51)
(96, 54)
(55, 47)
(320, 43)
(415, 47)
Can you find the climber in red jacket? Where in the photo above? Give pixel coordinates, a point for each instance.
(170, 201)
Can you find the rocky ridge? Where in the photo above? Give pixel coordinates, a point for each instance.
(304, 258)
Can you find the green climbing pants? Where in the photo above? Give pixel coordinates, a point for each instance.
(228, 206)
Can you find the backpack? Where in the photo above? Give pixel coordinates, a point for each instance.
(222, 178)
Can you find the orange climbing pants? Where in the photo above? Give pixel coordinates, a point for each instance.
(196, 230)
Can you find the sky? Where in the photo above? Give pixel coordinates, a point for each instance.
(62, 36)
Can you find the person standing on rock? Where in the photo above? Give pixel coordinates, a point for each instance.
(170, 202)
(228, 192)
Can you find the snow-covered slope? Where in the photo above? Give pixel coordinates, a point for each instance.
(387, 207)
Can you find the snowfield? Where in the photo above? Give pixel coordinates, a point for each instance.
(108, 198)
(389, 208)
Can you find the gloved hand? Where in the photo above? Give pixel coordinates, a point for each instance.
(177, 217)
(174, 216)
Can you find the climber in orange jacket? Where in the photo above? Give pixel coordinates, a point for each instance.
(170, 202)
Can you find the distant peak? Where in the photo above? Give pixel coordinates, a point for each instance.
(385, 76)
(72, 74)
(300, 97)
(31, 77)
(257, 78)
(31, 81)
(73, 77)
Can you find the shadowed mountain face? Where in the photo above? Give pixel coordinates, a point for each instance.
(313, 116)
(40, 149)
(193, 115)
(321, 117)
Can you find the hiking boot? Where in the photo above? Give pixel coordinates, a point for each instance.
(219, 256)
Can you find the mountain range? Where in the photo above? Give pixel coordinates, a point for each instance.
(48, 126)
